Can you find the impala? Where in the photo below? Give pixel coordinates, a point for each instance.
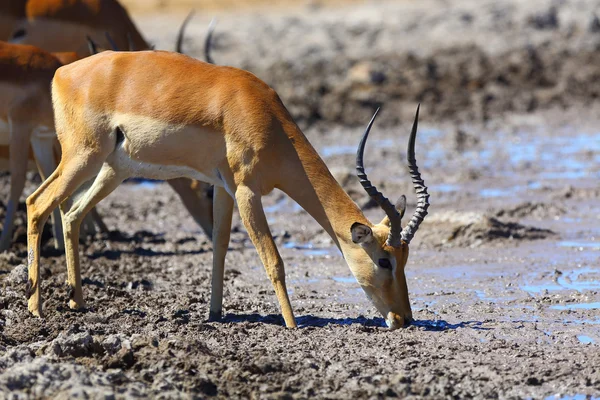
(57, 25)
(164, 115)
(27, 133)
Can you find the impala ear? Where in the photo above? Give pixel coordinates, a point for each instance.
(361, 234)
(400, 206)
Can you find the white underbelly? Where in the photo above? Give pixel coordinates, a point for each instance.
(121, 161)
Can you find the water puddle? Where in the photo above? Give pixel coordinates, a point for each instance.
(444, 188)
(577, 306)
(581, 245)
(586, 339)
(283, 205)
(568, 281)
(310, 250)
(571, 397)
(144, 183)
(344, 279)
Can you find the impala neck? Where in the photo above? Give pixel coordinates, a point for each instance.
(309, 182)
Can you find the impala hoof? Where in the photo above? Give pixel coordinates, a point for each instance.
(34, 307)
(215, 316)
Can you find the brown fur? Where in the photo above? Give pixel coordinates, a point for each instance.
(25, 105)
(63, 25)
(71, 20)
(159, 100)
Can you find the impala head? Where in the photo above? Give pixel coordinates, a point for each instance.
(381, 253)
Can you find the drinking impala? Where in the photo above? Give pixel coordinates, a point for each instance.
(164, 115)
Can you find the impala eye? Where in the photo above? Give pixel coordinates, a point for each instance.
(384, 263)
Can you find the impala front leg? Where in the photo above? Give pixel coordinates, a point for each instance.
(253, 217)
(222, 212)
(44, 156)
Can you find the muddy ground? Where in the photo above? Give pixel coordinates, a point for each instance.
(504, 275)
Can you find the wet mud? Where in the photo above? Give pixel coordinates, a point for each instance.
(504, 274)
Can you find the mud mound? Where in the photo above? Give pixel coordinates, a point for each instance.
(470, 229)
(532, 210)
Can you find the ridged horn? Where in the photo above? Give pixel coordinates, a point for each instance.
(423, 197)
(181, 33)
(383, 202)
(111, 42)
(208, 41)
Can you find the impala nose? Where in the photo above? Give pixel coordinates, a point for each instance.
(394, 321)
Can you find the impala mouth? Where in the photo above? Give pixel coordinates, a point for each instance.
(394, 321)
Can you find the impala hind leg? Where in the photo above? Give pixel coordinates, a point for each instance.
(97, 218)
(59, 186)
(19, 148)
(253, 217)
(222, 212)
(106, 181)
(43, 150)
(194, 198)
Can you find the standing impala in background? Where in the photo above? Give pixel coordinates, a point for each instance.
(59, 25)
(164, 115)
(27, 134)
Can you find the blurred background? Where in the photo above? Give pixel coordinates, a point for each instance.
(335, 61)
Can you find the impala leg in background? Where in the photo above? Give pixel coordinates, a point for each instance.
(222, 213)
(19, 148)
(44, 157)
(198, 204)
(97, 218)
(253, 217)
(107, 180)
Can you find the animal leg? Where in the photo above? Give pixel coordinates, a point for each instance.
(43, 150)
(106, 181)
(19, 149)
(223, 210)
(194, 198)
(253, 217)
(59, 186)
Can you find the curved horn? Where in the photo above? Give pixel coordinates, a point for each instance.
(387, 206)
(423, 197)
(179, 43)
(92, 46)
(111, 41)
(130, 42)
(208, 41)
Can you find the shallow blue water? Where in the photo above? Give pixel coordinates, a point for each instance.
(577, 306)
(585, 339)
(344, 279)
